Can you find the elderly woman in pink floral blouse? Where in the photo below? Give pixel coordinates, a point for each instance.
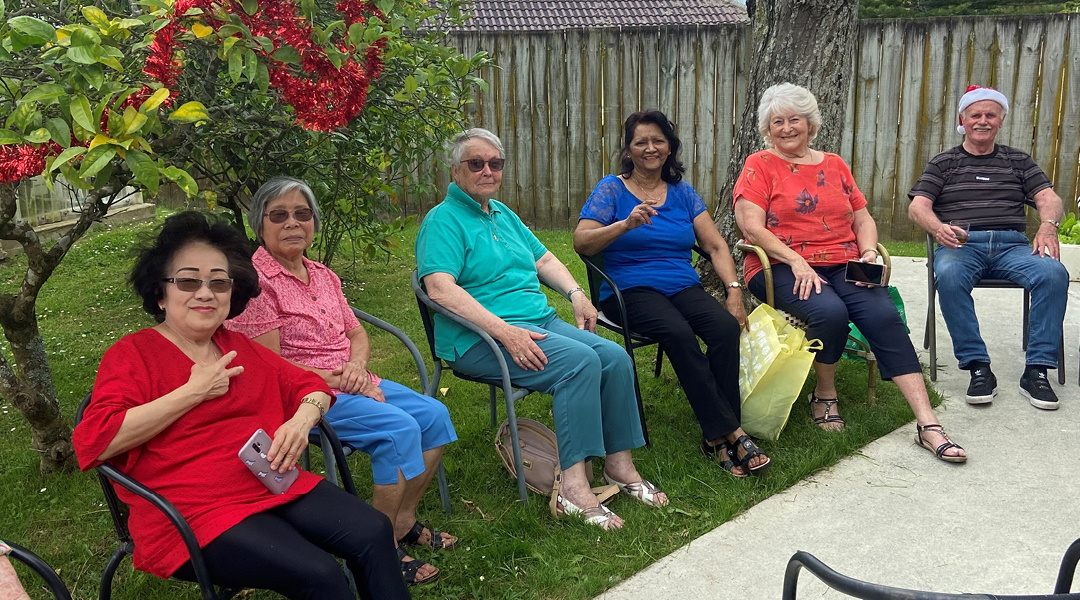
(303, 315)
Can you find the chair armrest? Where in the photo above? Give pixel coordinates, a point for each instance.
(418, 289)
(594, 269)
(329, 435)
(883, 252)
(421, 368)
(159, 502)
(766, 267)
(42, 568)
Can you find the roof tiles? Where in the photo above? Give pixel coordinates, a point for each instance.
(549, 15)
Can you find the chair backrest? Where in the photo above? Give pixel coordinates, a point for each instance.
(427, 314)
(594, 275)
(42, 568)
(117, 509)
(404, 339)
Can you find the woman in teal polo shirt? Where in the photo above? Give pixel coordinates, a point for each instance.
(479, 260)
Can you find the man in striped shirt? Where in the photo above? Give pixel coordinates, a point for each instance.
(972, 199)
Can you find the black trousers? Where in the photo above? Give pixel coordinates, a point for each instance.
(710, 379)
(288, 550)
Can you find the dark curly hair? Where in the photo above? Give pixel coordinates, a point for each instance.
(672, 170)
(179, 230)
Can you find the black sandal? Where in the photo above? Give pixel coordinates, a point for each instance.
(827, 417)
(939, 452)
(411, 568)
(751, 451)
(413, 538)
(725, 456)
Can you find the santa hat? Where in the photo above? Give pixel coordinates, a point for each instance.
(975, 94)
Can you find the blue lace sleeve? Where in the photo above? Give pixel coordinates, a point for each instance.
(697, 205)
(600, 206)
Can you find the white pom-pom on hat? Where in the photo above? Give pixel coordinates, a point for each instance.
(975, 94)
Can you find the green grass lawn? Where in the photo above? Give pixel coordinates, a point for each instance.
(507, 550)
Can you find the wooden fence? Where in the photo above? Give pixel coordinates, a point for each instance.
(557, 99)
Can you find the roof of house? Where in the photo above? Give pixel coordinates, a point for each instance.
(548, 15)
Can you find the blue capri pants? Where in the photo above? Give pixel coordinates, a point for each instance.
(828, 313)
(396, 433)
(591, 381)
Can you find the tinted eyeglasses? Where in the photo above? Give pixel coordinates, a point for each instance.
(190, 284)
(280, 215)
(477, 164)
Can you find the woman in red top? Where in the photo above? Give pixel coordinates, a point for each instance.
(172, 406)
(803, 208)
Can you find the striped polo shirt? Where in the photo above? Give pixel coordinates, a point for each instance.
(989, 190)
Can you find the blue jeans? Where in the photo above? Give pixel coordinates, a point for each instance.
(591, 381)
(1001, 255)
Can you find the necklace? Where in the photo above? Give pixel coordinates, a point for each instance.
(649, 198)
(191, 349)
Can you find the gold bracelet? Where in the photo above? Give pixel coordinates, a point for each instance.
(316, 403)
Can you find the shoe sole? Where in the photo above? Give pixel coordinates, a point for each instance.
(1041, 404)
(982, 399)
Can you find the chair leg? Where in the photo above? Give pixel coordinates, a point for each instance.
(641, 410)
(1027, 311)
(494, 409)
(444, 490)
(511, 416)
(1061, 359)
(329, 460)
(105, 589)
(659, 359)
(871, 382)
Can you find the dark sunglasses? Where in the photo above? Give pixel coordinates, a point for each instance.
(477, 164)
(190, 284)
(281, 215)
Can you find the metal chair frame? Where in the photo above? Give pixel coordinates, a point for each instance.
(428, 308)
(930, 331)
(108, 473)
(872, 591)
(864, 350)
(421, 369)
(42, 568)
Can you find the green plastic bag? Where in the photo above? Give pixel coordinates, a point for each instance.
(774, 359)
(855, 333)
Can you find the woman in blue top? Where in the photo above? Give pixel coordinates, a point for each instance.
(646, 221)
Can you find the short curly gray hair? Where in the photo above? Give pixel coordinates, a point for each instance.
(457, 145)
(785, 98)
(272, 190)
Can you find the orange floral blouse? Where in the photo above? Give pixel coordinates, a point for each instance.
(809, 207)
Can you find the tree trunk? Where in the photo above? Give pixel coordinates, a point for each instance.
(27, 381)
(806, 42)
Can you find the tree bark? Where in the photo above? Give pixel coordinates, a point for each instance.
(27, 380)
(806, 42)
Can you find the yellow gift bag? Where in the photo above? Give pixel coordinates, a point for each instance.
(774, 359)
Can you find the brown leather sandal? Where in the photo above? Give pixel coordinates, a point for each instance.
(939, 451)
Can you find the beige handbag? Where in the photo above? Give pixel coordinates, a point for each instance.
(540, 459)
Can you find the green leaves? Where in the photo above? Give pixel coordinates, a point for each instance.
(95, 160)
(81, 113)
(35, 32)
(47, 91)
(190, 112)
(154, 101)
(181, 178)
(144, 169)
(287, 54)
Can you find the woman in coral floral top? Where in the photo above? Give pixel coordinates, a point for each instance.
(803, 208)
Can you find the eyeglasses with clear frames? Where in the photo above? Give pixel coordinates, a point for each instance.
(191, 284)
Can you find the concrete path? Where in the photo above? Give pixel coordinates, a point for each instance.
(894, 515)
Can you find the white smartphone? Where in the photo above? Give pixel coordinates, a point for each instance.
(254, 456)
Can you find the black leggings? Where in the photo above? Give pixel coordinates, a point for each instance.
(288, 549)
(710, 379)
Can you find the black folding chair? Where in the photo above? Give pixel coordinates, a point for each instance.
(428, 308)
(108, 475)
(328, 456)
(872, 591)
(42, 568)
(930, 333)
(594, 271)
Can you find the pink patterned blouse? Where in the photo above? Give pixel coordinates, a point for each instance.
(312, 319)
